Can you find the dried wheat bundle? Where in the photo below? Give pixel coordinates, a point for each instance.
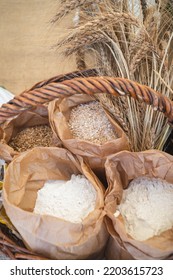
(129, 39)
(93, 30)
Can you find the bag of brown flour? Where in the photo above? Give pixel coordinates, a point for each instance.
(54, 236)
(139, 207)
(86, 129)
(27, 130)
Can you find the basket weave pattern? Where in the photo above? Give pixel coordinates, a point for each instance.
(14, 250)
(70, 84)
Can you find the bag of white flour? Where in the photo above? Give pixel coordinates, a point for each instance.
(139, 205)
(54, 220)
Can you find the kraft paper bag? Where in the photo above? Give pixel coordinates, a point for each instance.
(52, 237)
(28, 118)
(120, 170)
(94, 154)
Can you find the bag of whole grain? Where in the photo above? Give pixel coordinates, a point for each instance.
(139, 205)
(86, 129)
(56, 203)
(27, 130)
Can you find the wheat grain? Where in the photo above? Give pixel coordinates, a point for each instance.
(83, 41)
(89, 122)
(99, 23)
(141, 38)
(30, 137)
(111, 104)
(70, 5)
(142, 52)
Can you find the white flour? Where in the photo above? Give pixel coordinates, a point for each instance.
(147, 207)
(70, 200)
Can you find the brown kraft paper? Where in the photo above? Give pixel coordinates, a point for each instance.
(52, 237)
(120, 170)
(28, 118)
(94, 154)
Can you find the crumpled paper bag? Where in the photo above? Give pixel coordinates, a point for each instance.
(52, 237)
(94, 154)
(32, 117)
(120, 170)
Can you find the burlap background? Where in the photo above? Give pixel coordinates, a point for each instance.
(27, 37)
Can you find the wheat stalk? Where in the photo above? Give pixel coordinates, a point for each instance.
(122, 44)
(144, 8)
(92, 31)
(68, 6)
(109, 103)
(142, 37)
(141, 53)
(80, 60)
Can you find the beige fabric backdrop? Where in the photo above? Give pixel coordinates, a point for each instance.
(27, 37)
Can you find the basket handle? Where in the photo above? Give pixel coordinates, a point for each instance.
(63, 77)
(88, 85)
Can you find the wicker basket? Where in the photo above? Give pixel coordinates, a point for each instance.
(77, 82)
(85, 82)
(13, 248)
